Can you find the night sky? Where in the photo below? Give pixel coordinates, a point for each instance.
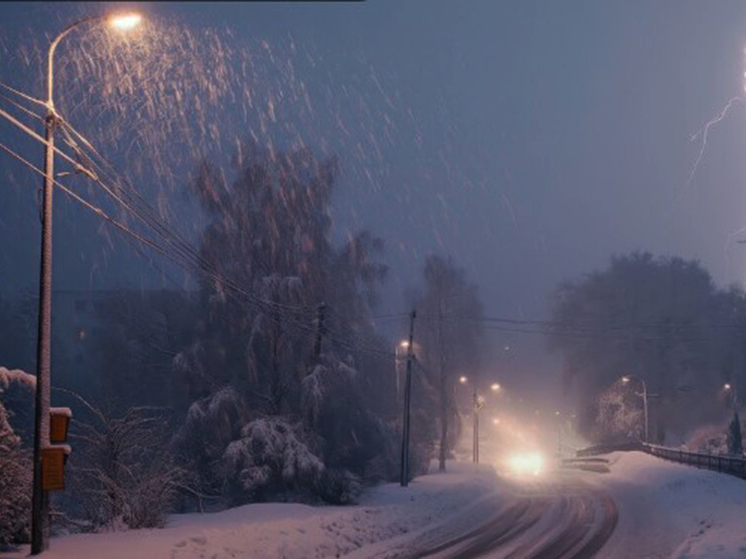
(551, 136)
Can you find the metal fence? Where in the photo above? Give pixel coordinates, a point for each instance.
(727, 464)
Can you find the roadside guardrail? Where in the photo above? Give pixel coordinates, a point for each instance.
(724, 463)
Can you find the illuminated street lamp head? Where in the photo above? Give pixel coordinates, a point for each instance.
(404, 344)
(727, 386)
(496, 421)
(125, 22)
(495, 387)
(462, 379)
(625, 379)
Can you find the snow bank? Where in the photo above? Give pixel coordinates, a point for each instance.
(671, 510)
(385, 513)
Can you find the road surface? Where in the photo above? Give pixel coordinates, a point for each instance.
(561, 516)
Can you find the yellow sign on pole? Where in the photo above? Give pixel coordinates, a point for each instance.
(53, 467)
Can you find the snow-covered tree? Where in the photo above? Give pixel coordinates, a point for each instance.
(620, 416)
(660, 318)
(450, 347)
(334, 408)
(268, 247)
(275, 353)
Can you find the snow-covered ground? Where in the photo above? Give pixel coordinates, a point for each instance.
(672, 510)
(387, 515)
(665, 510)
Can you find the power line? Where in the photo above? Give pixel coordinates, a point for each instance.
(182, 259)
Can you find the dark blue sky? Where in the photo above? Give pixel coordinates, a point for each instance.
(552, 135)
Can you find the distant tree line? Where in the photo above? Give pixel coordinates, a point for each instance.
(661, 320)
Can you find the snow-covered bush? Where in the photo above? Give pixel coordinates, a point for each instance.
(271, 458)
(15, 486)
(210, 426)
(123, 472)
(339, 487)
(15, 470)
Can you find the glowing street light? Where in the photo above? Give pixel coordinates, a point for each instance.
(125, 22)
(40, 521)
(495, 387)
(463, 380)
(401, 352)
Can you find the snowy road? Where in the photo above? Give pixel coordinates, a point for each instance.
(559, 516)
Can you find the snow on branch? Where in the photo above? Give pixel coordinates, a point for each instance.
(16, 375)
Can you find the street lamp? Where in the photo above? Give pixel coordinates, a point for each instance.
(728, 387)
(404, 473)
(644, 394)
(40, 525)
(477, 403)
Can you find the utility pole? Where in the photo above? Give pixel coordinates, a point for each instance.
(40, 521)
(645, 409)
(320, 331)
(476, 405)
(644, 394)
(475, 411)
(407, 401)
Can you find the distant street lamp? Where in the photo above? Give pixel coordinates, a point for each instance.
(731, 389)
(625, 380)
(477, 403)
(400, 357)
(40, 524)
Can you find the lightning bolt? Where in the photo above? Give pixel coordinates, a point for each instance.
(704, 131)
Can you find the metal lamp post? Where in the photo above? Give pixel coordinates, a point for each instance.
(644, 394)
(404, 474)
(40, 525)
(477, 403)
